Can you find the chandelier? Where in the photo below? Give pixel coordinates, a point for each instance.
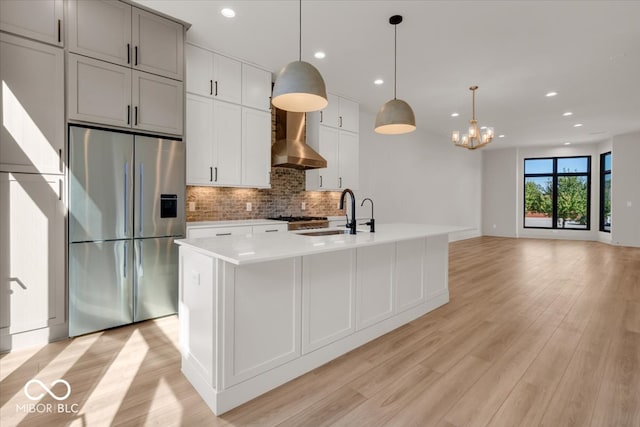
(476, 138)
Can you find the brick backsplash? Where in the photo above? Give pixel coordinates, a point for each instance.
(285, 197)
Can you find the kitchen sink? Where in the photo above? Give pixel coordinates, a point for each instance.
(324, 233)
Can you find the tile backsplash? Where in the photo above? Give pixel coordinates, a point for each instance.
(285, 197)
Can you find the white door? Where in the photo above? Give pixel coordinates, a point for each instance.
(328, 148)
(329, 116)
(199, 139)
(256, 88)
(348, 161)
(157, 103)
(99, 92)
(36, 19)
(32, 292)
(199, 71)
(227, 79)
(101, 29)
(32, 106)
(256, 147)
(158, 44)
(349, 116)
(227, 140)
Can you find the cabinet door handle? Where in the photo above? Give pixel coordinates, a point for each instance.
(216, 94)
(60, 189)
(128, 114)
(135, 114)
(269, 177)
(128, 53)
(223, 234)
(340, 186)
(136, 55)
(271, 231)
(320, 180)
(210, 87)
(60, 159)
(59, 30)
(321, 117)
(216, 174)
(210, 174)
(340, 121)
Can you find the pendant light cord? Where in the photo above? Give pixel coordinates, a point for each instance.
(300, 31)
(395, 60)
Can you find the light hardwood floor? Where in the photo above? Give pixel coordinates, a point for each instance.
(538, 332)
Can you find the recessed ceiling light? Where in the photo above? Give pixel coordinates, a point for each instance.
(550, 94)
(567, 114)
(319, 54)
(500, 136)
(378, 81)
(577, 125)
(567, 143)
(454, 114)
(228, 12)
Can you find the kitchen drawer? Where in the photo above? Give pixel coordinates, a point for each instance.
(193, 233)
(270, 228)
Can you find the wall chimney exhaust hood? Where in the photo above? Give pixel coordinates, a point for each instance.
(290, 149)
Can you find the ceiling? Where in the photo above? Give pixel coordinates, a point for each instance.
(515, 51)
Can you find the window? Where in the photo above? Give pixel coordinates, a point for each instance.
(605, 192)
(557, 192)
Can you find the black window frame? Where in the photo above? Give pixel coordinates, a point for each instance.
(603, 173)
(554, 175)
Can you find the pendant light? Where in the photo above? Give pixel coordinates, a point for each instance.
(299, 87)
(396, 116)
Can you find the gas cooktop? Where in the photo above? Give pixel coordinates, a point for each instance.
(299, 218)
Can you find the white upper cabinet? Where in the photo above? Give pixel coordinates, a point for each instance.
(348, 152)
(199, 140)
(210, 74)
(341, 113)
(157, 103)
(116, 32)
(256, 87)
(36, 19)
(32, 106)
(227, 143)
(256, 147)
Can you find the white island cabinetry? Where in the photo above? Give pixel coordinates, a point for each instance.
(257, 310)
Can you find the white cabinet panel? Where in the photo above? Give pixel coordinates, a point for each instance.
(36, 19)
(329, 115)
(256, 88)
(326, 178)
(349, 115)
(32, 106)
(158, 44)
(198, 323)
(199, 140)
(348, 161)
(158, 103)
(270, 228)
(32, 295)
(227, 79)
(99, 92)
(262, 308)
(328, 298)
(227, 141)
(101, 29)
(375, 287)
(256, 147)
(199, 70)
(436, 265)
(409, 272)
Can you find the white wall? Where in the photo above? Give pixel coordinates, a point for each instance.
(625, 190)
(499, 188)
(419, 178)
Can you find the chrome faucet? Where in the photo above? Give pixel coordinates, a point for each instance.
(372, 222)
(351, 225)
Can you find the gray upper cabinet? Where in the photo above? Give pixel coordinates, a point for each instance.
(40, 20)
(116, 32)
(32, 107)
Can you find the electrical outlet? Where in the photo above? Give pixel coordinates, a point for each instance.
(192, 206)
(249, 207)
(303, 206)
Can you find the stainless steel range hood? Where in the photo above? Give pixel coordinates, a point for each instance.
(290, 149)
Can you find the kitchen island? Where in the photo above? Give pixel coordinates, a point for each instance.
(259, 310)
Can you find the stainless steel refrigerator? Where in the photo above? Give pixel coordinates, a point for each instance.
(126, 207)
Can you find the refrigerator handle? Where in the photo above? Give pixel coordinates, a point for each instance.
(126, 255)
(126, 198)
(141, 191)
(140, 259)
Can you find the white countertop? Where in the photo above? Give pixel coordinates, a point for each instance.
(233, 223)
(253, 248)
